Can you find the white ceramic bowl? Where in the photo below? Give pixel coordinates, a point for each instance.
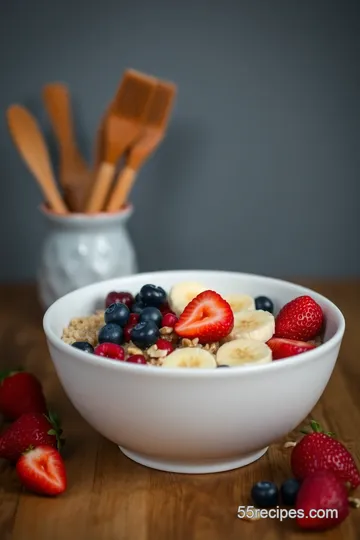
(186, 420)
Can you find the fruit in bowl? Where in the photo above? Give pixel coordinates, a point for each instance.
(195, 327)
(275, 344)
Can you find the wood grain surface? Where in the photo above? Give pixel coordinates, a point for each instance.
(111, 498)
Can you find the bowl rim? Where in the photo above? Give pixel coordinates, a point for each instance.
(116, 365)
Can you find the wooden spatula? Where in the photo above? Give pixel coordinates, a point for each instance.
(152, 134)
(74, 174)
(101, 132)
(122, 127)
(30, 143)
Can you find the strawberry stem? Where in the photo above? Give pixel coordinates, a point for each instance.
(316, 428)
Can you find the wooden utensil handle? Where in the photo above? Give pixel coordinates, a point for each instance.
(122, 189)
(54, 199)
(101, 188)
(57, 102)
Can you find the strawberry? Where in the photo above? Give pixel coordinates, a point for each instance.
(283, 348)
(207, 317)
(20, 393)
(320, 493)
(31, 429)
(42, 470)
(300, 319)
(320, 451)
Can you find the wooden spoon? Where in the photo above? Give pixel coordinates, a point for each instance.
(75, 175)
(30, 143)
(156, 121)
(122, 127)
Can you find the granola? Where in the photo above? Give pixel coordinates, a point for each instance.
(87, 329)
(84, 329)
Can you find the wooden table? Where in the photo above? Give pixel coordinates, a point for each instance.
(111, 498)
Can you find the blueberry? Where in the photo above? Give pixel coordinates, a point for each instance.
(151, 295)
(264, 303)
(265, 494)
(144, 334)
(83, 346)
(137, 307)
(111, 333)
(223, 365)
(117, 313)
(289, 491)
(151, 314)
(137, 298)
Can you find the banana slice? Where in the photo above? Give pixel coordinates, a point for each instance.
(241, 352)
(240, 302)
(181, 294)
(258, 325)
(190, 357)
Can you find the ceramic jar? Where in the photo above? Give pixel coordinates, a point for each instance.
(81, 249)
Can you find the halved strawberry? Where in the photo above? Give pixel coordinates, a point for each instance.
(283, 348)
(42, 471)
(207, 317)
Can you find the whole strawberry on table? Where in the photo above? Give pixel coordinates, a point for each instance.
(324, 475)
(33, 440)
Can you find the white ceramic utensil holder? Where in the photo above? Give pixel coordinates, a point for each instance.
(81, 249)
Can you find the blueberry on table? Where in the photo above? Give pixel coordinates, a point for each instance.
(118, 314)
(151, 314)
(152, 295)
(289, 490)
(264, 303)
(83, 346)
(265, 494)
(111, 333)
(137, 307)
(145, 334)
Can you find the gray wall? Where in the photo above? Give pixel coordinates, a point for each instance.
(260, 168)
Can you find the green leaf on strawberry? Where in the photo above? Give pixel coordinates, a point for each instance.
(316, 428)
(56, 430)
(9, 373)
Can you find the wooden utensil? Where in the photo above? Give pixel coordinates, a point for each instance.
(100, 137)
(152, 134)
(30, 143)
(122, 126)
(74, 174)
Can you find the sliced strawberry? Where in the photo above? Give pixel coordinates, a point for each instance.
(283, 348)
(207, 317)
(42, 471)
